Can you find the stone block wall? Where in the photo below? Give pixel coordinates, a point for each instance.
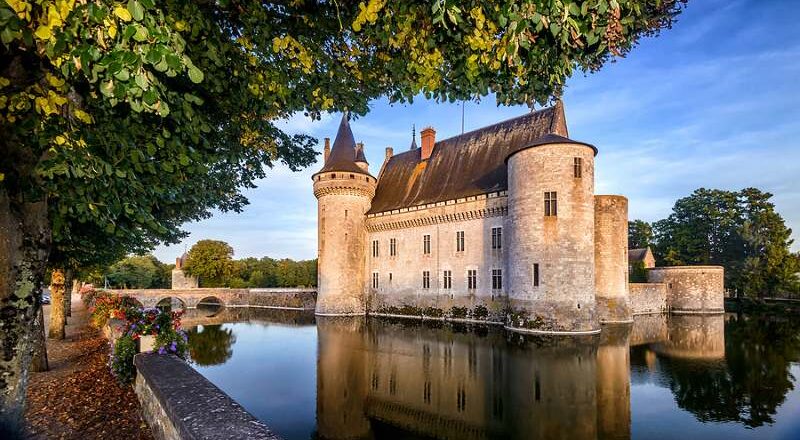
(283, 298)
(647, 298)
(691, 289)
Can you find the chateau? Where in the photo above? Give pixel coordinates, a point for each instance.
(500, 224)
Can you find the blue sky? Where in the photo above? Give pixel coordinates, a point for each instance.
(711, 103)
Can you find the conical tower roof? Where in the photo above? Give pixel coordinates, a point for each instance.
(360, 157)
(413, 138)
(343, 155)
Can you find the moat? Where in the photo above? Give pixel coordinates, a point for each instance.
(677, 376)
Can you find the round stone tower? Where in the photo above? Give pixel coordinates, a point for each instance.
(344, 190)
(551, 251)
(611, 259)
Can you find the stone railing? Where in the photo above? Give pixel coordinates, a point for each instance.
(179, 403)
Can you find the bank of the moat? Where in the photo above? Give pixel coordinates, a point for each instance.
(719, 376)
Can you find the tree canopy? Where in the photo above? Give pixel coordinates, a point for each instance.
(135, 117)
(640, 234)
(211, 261)
(740, 230)
(139, 272)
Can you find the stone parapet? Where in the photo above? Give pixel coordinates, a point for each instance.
(179, 403)
(691, 289)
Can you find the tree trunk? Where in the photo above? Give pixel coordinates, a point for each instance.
(39, 361)
(57, 317)
(24, 247)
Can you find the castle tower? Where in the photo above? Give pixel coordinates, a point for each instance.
(344, 190)
(611, 259)
(551, 243)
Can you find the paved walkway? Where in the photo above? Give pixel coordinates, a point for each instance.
(79, 398)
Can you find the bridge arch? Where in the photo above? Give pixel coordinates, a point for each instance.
(210, 306)
(171, 303)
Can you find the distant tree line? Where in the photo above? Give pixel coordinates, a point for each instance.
(739, 230)
(212, 262)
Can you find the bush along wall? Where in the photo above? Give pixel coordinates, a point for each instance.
(138, 322)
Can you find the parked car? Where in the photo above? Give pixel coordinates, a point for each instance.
(46, 296)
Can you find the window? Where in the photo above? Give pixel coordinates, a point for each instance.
(375, 248)
(375, 381)
(537, 388)
(550, 204)
(535, 274)
(426, 279)
(392, 247)
(426, 244)
(497, 238)
(352, 176)
(460, 241)
(472, 279)
(448, 279)
(393, 383)
(578, 167)
(390, 278)
(497, 279)
(375, 280)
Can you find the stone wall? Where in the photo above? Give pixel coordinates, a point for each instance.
(691, 289)
(179, 403)
(400, 275)
(182, 281)
(611, 258)
(562, 245)
(648, 298)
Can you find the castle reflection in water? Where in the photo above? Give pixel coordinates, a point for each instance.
(411, 379)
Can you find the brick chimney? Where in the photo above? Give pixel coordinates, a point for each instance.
(389, 153)
(327, 149)
(428, 135)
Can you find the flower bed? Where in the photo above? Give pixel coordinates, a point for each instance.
(137, 323)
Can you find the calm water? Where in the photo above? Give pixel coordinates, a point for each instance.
(714, 377)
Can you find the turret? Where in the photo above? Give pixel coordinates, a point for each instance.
(344, 189)
(551, 244)
(611, 259)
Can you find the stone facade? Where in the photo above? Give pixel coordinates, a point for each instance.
(399, 268)
(500, 224)
(611, 259)
(691, 289)
(179, 278)
(648, 298)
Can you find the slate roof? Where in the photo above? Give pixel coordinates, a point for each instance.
(469, 164)
(343, 154)
(637, 254)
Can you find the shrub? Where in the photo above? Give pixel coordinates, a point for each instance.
(122, 359)
(458, 312)
(480, 312)
(433, 312)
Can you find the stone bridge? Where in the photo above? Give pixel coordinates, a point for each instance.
(277, 298)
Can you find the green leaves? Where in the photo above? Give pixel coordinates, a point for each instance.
(195, 74)
(136, 10)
